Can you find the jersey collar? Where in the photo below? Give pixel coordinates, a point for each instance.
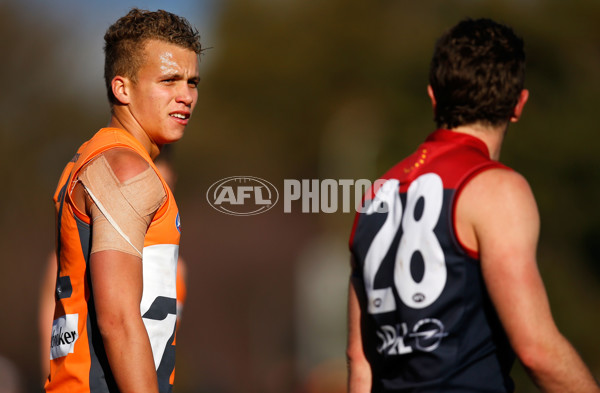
(442, 135)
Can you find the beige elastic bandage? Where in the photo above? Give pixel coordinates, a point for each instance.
(122, 211)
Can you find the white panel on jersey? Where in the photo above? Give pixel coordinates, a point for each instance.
(160, 277)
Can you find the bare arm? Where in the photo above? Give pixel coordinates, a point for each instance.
(359, 370)
(502, 223)
(120, 222)
(117, 286)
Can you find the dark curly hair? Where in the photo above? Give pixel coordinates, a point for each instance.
(477, 74)
(125, 39)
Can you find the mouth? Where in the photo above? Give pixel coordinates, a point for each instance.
(180, 117)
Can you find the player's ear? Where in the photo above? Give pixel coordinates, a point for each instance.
(431, 96)
(121, 89)
(523, 97)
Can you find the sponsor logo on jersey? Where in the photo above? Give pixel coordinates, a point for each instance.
(242, 195)
(64, 335)
(178, 223)
(425, 336)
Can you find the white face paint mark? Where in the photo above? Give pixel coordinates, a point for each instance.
(168, 65)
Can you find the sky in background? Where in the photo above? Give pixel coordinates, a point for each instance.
(82, 25)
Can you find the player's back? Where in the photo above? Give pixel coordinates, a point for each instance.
(430, 325)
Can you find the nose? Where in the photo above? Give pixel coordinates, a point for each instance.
(186, 95)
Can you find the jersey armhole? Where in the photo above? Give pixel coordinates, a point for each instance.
(461, 186)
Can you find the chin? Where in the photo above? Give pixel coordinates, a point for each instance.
(172, 138)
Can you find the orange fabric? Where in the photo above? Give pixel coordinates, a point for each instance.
(181, 288)
(71, 372)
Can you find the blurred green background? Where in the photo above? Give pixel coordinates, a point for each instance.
(291, 89)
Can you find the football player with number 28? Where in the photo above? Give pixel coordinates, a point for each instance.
(445, 288)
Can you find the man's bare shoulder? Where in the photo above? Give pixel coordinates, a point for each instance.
(492, 204)
(497, 187)
(499, 179)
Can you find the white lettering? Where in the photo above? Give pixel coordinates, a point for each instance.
(426, 336)
(291, 192)
(258, 197)
(313, 195)
(226, 195)
(324, 195)
(243, 192)
(360, 188)
(310, 194)
(346, 184)
(329, 196)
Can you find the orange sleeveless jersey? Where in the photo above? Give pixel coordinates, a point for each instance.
(78, 361)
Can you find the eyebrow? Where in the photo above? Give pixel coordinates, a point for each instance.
(178, 76)
(171, 75)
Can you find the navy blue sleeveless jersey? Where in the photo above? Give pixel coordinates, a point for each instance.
(429, 324)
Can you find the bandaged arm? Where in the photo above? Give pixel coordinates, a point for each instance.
(130, 193)
(121, 211)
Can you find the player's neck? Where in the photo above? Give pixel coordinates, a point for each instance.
(119, 121)
(491, 136)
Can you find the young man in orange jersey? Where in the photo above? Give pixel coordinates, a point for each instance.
(445, 284)
(48, 284)
(118, 225)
